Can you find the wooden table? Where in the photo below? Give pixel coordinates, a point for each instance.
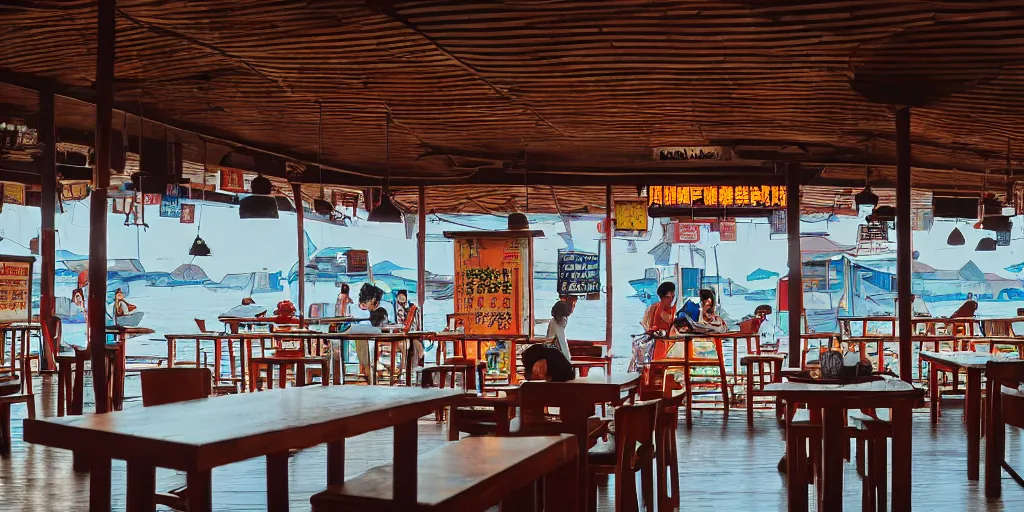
(974, 364)
(395, 340)
(199, 435)
(888, 393)
(992, 341)
(586, 393)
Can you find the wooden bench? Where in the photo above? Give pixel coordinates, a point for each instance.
(468, 476)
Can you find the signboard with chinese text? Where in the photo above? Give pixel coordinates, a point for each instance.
(718, 196)
(14, 193)
(685, 233)
(232, 180)
(778, 222)
(873, 232)
(357, 261)
(579, 273)
(631, 215)
(727, 230)
(489, 283)
(170, 205)
(15, 288)
(690, 153)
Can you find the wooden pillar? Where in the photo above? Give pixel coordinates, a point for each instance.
(98, 205)
(795, 288)
(421, 251)
(608, 296)
(300, 226)
(47, 246)
(904, 241)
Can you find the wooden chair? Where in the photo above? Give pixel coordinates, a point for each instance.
(588, 354)
(631, 450)
(666, 455)
(1005, 407)
(481, 416)
(15, 388)
(657, 369)
(167, 386)
(757, 378)
(871, 433)
(445, 375)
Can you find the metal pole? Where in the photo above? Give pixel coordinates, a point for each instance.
(299, 224)
(608, 295)
(904, 243)
(47, 245)
(795, 290)
(98, 205)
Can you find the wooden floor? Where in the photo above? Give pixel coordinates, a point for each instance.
(723, 466)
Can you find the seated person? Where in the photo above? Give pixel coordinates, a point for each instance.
(968, 309)
(702, 318)
(556, 326)
(752, 324)
(284, 314)
(541, 362)
(659, 316)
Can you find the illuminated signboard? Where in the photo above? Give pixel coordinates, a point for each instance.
(630, 216)
(718, 196)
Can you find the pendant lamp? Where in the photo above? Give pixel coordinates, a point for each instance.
(321, 206)
(199, 247)
(866, 196)
(260, 205)
(386, 211)
(986, 244)
(518, 221)
(956, 237)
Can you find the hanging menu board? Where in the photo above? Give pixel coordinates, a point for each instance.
(15, 288)
(579, 273)
(489, 282)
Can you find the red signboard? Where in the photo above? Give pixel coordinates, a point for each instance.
(727, 230)
(685, 233)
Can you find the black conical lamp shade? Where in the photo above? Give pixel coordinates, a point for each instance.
(986, 244)
(518, 221)
(199, 247)
(865, 197)
(956, 237)
(322, 207)
(386, 211)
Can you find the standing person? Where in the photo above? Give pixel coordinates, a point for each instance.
(341, 306)
(556, 326)
(407, 315)
(660, 315)
(121, 306)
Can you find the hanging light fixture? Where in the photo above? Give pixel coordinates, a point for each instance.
(199, 247)
(956, 237)
(259, 205)
(321, 206)
(986, 244)
(866, 196)
(386, 211)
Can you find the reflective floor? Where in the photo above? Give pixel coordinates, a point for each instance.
(723, 466)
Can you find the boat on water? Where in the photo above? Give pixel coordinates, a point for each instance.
(185, 275)
(71, 313)
(255, 282)
(331, 265)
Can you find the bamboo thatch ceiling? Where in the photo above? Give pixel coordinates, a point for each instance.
(490, 91)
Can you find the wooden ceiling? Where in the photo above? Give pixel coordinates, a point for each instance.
(552, 92)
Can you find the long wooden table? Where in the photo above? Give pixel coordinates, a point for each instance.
(834, 399)
(974, 364)
(199, 435)
(586, 393)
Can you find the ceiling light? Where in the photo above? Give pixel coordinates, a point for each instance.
(986, 244)
(956, 237)
(518, 221)
(386, 211)
(199, 247)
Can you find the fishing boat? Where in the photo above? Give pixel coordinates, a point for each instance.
(185, 275)
(255, 282)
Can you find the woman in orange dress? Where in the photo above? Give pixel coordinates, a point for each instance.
(660, 315)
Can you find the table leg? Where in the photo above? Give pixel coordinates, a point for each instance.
(973, 418)
(282, 375)
(933, 392)
(141, 486)
(833, 434)
(796, 466)
(170, 353)
(405, 491)
(995, 445)
(393, 368)
(300, 374)
(277, 481)
(336, 462)
(63, 374)
(902, 444)
(217, 353)
(200, 491)
(750, 393)
(119, 371)
(99, 483)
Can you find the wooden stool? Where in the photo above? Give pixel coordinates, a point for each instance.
(630, 451)
(758, 377)
(444, 374)
(283, 364)
(874, 433)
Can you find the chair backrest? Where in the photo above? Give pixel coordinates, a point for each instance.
(634, 434)
(1006, 373)
(169, 385)
(410, 317)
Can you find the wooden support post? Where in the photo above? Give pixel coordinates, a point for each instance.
(608, 296)
(795, 288)
(299, 224)
(904, 242)
(98, 206)
(47, 246)
(421, 251)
